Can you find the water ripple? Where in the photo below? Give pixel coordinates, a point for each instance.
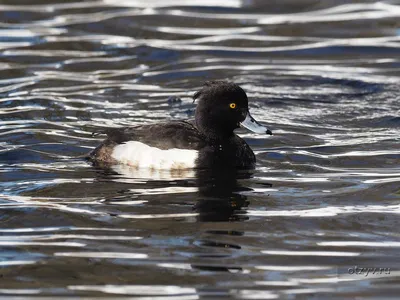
(321, 205)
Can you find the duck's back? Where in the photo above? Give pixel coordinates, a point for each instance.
(168, 135)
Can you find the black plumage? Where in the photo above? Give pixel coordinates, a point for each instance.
(221, 107)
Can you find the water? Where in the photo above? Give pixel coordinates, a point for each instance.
(319, 216)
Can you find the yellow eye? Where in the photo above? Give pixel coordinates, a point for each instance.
(232, 105)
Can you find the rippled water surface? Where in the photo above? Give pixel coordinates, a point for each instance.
(318, 217)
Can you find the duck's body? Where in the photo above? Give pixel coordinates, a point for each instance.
(206, 142)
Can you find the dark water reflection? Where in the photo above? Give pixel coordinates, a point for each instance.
(317, 218)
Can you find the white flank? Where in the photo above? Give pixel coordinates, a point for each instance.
(139, 155)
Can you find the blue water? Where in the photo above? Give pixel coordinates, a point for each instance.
(317, 218)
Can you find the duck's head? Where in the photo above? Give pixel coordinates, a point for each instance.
(222, 107)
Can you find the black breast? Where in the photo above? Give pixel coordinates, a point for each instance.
(231, 153)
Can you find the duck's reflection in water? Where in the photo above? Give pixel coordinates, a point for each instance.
(220, 199)
(219, 195)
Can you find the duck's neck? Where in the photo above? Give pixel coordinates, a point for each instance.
(214, 133)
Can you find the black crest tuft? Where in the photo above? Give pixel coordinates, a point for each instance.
(210, 84)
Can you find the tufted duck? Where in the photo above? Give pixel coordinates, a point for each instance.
(206, 142)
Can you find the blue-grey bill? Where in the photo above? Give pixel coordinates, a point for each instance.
(251, 124)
